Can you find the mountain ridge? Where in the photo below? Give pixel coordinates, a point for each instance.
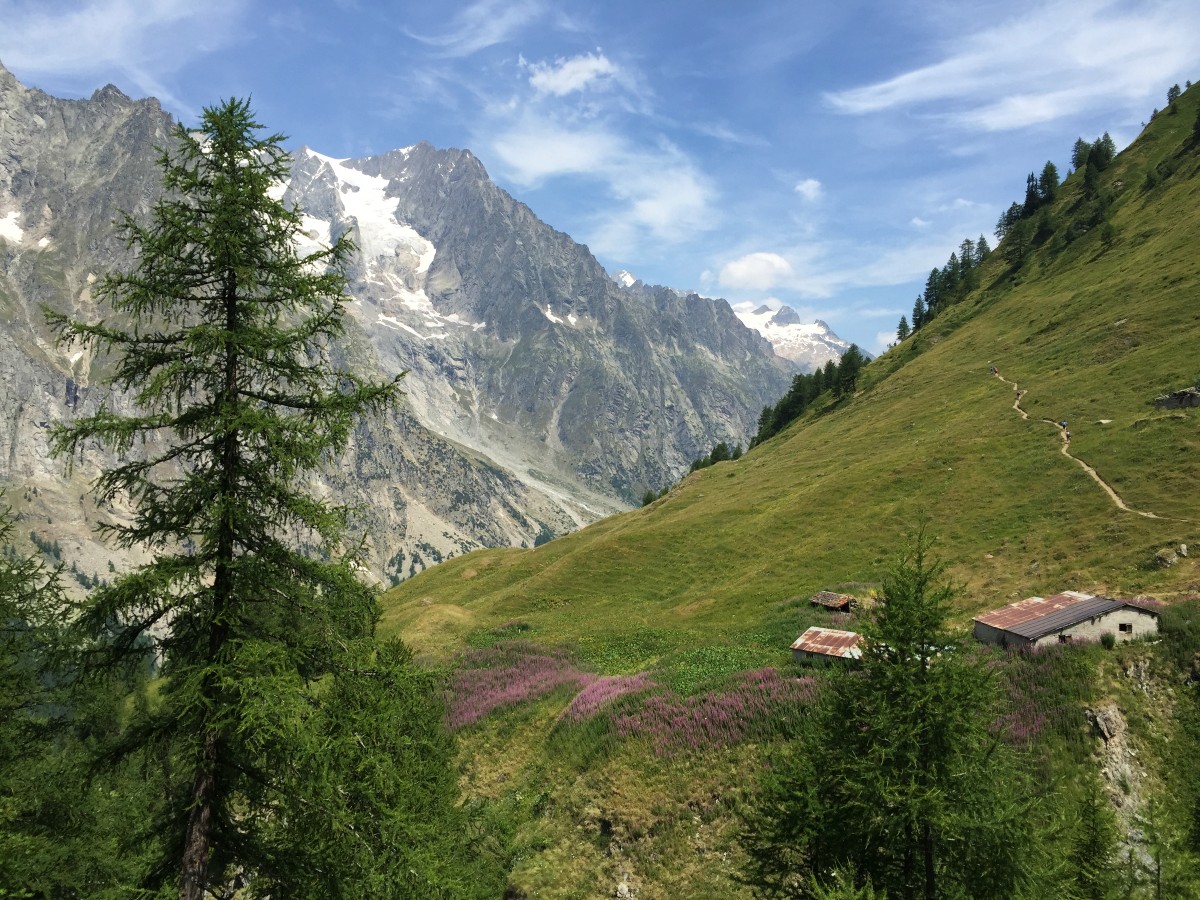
(509, 432)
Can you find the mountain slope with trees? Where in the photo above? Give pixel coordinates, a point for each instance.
(1094, 316)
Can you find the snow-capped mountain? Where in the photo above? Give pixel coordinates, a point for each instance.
(809, 346)
(541, 394)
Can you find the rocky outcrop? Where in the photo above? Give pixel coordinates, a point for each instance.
(1185, 399)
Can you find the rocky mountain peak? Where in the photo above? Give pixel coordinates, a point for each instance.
(788, 316)
(540, 394)
(110, 95)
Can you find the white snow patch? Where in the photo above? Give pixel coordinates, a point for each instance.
(91, 277)
(571, 318)
(76, 356)
(43, 243)
(625, 279)
(10, 230)
(278, 189)
(381, 234)
(551, 316)
(314, 236)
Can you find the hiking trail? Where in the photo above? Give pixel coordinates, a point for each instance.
(1065, 449)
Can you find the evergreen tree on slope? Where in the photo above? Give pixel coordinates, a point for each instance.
(223, 336)
(899, 774)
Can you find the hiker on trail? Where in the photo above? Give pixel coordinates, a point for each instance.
(1068, 437)
(1063, 424)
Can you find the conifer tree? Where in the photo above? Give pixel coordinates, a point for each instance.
(1080, 153)
(1047, 183)
(902, 330)
(899, 773)
(918, 314)
(1093, 852)
(848, 371)
(981, 250)
(223, 336)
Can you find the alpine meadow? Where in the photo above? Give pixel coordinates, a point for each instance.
(924, 625)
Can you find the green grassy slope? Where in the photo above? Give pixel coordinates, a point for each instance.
(1092, 333)
(712, 580)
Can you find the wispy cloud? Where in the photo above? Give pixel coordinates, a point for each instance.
(658, 191)
(1051, 61)
(565, 76)
(145, 41)
(483, 24)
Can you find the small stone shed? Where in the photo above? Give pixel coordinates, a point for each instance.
(834, 602)
(826, 644)
(1069, 616)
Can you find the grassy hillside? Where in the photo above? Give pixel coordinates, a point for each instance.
(1092, 334)
(710, 580)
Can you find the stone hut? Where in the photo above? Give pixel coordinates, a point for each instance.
(1065, 617)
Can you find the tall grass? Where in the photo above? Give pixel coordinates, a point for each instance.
(1047, 690)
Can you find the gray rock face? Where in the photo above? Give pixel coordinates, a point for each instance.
(540, 394)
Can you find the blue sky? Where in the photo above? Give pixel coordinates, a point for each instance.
(826, 155)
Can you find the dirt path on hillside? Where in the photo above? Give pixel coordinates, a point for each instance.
(1065, 449)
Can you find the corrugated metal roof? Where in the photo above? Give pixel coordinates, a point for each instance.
(1030, 608)
(829, 642)
(1065, 618)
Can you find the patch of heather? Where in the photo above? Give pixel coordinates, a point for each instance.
(757, 706)
(601, 690)
(504, 675)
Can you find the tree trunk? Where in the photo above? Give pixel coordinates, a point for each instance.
(930, 874)
(197, 840)
(908, 862)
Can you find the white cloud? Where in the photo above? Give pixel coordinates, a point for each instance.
(882, 339)
(537, 149)
(566, 76)
(483, 24)
(824, 269)
(143, 40)
(1052, 61)
(809, 189)
(757, 272)
(918, 222)
(659, 193)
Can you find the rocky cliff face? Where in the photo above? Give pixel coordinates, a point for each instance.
(540, 394)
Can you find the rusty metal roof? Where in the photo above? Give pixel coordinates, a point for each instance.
(1065, 617)
(1036, 617)
(1030, 608)
(829, 642)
